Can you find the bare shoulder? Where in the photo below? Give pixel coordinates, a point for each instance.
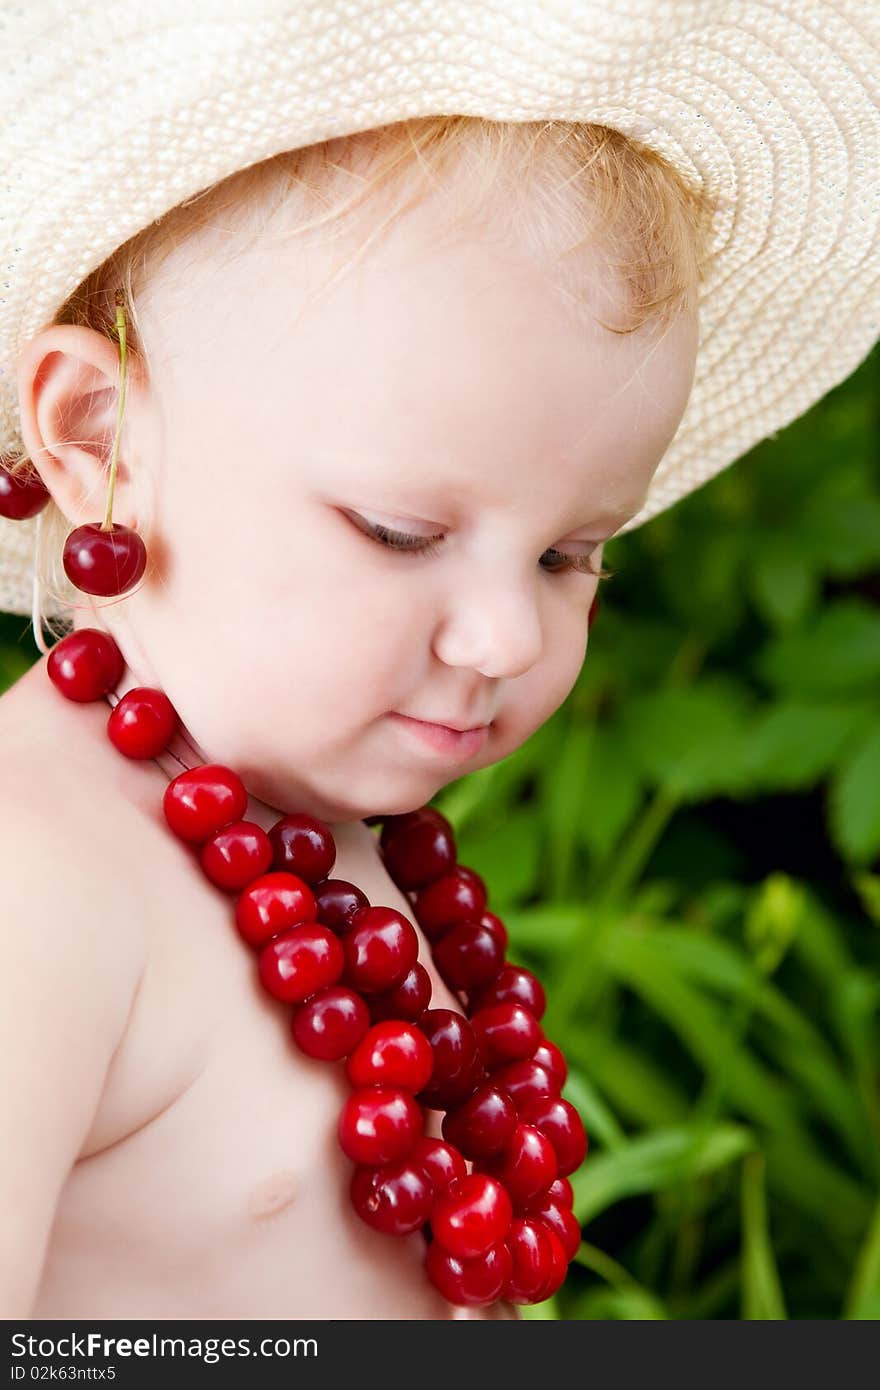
(64, 816)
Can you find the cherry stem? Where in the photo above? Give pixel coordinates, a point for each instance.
(107, 524)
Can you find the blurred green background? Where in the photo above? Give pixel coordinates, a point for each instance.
(688, 855)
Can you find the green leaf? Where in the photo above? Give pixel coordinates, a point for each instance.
(654, 1162)
(796, 742)
(854, 802)
(761, 1287)
(783, 583)
(614, 794)
(691, 741)
(839, 653)
(863, 1298)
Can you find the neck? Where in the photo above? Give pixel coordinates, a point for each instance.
(183, 752)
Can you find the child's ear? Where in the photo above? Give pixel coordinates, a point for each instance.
(68, 386)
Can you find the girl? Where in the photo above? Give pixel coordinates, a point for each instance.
(360, 415)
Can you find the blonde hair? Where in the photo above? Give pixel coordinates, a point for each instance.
(574, 183)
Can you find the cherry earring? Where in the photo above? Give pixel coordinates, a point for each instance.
(107, 559)
(99, 558)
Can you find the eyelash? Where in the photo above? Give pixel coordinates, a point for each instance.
(399, 540)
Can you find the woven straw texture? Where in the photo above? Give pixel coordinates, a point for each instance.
(113, 113)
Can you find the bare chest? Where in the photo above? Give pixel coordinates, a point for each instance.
(212, 1184)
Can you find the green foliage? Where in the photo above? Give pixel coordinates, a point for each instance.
(688, 854)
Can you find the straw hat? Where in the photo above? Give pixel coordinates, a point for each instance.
(114, 113)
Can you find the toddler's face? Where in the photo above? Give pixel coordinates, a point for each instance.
(436, 390)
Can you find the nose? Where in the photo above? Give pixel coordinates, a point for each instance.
(492, 626)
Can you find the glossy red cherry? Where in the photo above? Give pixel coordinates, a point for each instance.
(22, 494)
(470, 1283)
(560, 1122)
(505, 1033)
(534, 1260)
(104, 562)
(391, 825)
(395, 1199)
(204, 799)
(483, 1124)
(236, 855)
(495, 925)
(458, 896)
(338, 901)
(330, 1024)
(303, 845)
(561, 1191)
(558, 1267)
(457, 1064)
(419, 851)
(380, 948)
(85, 665)
(141, 722)
(559, 1218)
(408, 1000)
(393, 1053)
(473, 1214)
(527, 1167)
(513, 984)
(273, 903)
(548, 1055)
(300, 962)
(525, 1081)
(468, 956)
(379, 1125)
(441, 1161)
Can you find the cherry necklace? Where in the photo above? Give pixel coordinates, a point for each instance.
(503, 1228)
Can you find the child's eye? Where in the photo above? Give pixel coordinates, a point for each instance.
(429, 545)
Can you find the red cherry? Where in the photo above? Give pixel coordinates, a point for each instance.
(561, 1191)
(204, 799)
(392, 1053)
(419, 851)
(525, 1081)
(104, 562)
(494, 924)
(560, 1219)
(468, 956)
(395, 1199)
(558, 1267)
(513, 984)
(441, 1161)
(379, 1125)
(273, 903)
(534, 1260)
(303, 845)
(392, 824)
(380, 947)
(235, 855)
(22, 494)
(527, 1167)
(300, 962)
(141, 722)
(505, 1033)
(593, 613)
(469, 1282)
(330, 1024)
(458, 896)
(408, 1000)
(560, 1122)
(483, 1124)
(473, 1214)
(457, 1063)
(338, 901)
(85, 664)
(551, 1057)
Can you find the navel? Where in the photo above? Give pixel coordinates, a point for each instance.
(273, 1194)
